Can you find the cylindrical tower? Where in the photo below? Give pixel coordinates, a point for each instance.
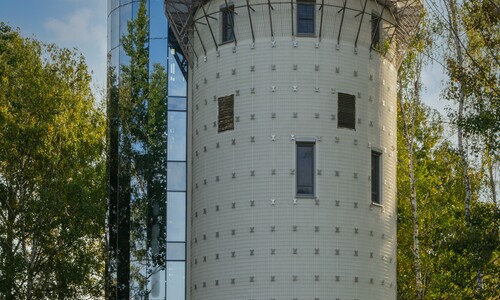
(293, 146)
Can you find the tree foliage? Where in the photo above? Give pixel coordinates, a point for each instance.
(447, 246)
(52, 204)
(459, 252)
(478, 29)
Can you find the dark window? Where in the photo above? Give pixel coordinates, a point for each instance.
(227, 24)
(347, 111)
(376, 20)
(375, 177)
(305, 169)
(305, 17)
(226, 113)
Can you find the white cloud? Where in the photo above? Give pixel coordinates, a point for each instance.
(84, 29)
(77, 27)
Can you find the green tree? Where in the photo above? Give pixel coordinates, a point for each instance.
(475, 26)
(444, 253)
(438, 193)
(409, 109)
(472, 63)
(52, 191)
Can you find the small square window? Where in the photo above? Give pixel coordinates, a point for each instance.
(305, 169)
(346, 111)
(226, 113)
(305, 17)
(227, 24)
(376, 20)
(375, 177)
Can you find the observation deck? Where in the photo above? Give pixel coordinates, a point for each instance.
(398, 30)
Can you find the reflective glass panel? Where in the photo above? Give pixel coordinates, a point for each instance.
(177, 103)
(124, 58)
(305, 18)
(176, 217)
(115, 28)
(228, 24)
(157, 53)
(114, 4)
(125, 16)
(375, 177)
(176, 251)
(115, 58)
(176, 176)
(157, 21)
(176, 81)
(305, 169)
(135, 7)
(176, 277)
(109, 33)
(157, 285)
(176, 136)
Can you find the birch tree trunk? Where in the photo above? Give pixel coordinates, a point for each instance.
(409, 116)
(452, 15)
(491, 178)
(459, 56)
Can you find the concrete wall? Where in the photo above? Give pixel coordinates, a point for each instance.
(244, 210)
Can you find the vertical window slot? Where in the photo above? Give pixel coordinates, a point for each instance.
(305, 168)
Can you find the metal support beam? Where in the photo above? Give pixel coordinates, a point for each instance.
(201, 40)
(322, 8)
(341, 21)
(270, 7)
(180, 29)
(250, 19)
(360, 23)
(402, 20)
(210, 27)
(191, 46)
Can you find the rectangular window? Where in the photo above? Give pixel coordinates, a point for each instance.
(375, 31)
(305, 17)
(305, 169)
(227, 25)
(347, 111)
(226, 113)
(176, 280)
(376, 177)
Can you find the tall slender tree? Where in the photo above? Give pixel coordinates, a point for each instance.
(458, 224)
(474, 71)
(409, 111)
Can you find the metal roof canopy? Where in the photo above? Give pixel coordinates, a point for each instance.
(407, 14)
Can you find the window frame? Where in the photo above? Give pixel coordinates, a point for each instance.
(341, 110)
(227, 23)
(303, 3)
(312, 144)
(376, 177)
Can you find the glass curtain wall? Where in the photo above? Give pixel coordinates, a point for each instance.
(147, 251)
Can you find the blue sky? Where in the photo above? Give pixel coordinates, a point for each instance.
(82, 24)
(77, 24)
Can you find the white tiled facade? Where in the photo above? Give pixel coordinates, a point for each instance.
(251, 237)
